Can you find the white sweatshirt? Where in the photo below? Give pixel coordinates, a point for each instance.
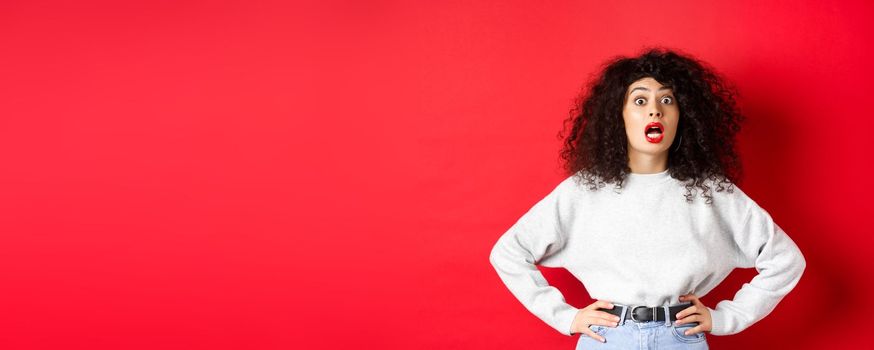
(647, 246)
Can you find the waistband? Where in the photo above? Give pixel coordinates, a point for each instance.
(640, 314)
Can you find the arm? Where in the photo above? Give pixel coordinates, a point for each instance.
(536, 238)
(762, 244)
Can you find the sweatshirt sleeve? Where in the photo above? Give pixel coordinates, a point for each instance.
(537, 238)
(762, 244)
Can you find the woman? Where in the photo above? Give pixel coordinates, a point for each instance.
(661, 128)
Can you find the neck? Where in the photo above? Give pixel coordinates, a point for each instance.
(643, 163)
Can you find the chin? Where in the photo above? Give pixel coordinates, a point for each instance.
(652, 149)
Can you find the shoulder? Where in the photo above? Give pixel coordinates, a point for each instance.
(731, 200)
(570, 183)
(560, 193)
(568, 193)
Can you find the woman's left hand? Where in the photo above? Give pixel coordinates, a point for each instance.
(695, 313)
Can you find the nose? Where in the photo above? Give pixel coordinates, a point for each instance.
(657, 114)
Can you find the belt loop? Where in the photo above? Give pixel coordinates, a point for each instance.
(667, 315)
(624, 312)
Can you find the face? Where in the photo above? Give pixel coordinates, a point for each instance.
(651, 116)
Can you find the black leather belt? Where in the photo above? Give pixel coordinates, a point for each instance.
(647, 313)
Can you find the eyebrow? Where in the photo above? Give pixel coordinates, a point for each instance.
(645, 89)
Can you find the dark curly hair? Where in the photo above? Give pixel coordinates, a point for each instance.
(595, 150)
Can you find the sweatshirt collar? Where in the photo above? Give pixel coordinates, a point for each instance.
(649, 178)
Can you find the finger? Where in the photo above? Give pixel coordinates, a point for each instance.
(693, 330)
(690, 319)
(606, 315)
(593, 335)
(604, 304)
(603, 321)
(689, 297)
(687, 311)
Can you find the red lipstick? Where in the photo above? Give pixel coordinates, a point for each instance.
(655, 125)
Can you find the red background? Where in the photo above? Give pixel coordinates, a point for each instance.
(266, 175)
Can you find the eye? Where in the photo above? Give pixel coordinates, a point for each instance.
(643, 100)
(668, 99)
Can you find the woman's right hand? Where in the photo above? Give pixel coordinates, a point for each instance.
(589, 315)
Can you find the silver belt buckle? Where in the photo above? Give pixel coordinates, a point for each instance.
(635, 308)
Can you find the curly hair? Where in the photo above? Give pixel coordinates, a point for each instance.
(595, 150)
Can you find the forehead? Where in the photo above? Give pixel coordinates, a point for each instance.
(648, 83)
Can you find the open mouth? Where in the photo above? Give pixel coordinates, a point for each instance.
(654, 132)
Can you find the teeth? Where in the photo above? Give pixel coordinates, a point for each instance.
(653, 135)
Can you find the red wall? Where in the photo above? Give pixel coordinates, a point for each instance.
(257, 175)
